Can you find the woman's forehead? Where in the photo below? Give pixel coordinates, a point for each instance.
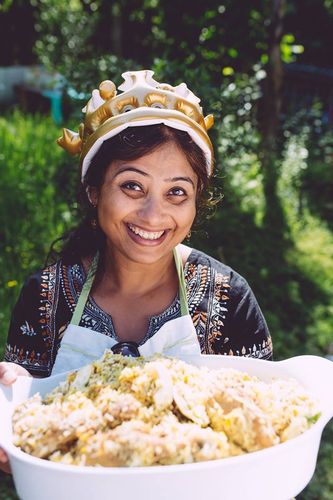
(167, 158)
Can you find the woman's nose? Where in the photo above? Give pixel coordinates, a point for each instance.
(152, 211)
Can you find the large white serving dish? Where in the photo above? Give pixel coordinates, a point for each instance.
(277, 473)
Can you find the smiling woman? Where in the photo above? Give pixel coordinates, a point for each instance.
(145, 207)
(124, 280)
(149, 201)
(155, 172)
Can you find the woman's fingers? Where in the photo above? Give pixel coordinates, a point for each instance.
(10, 371)
(8, 374)
(4, 463)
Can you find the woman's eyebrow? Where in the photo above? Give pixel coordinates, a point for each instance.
(176, 179)
(138, 171)
(130, 169)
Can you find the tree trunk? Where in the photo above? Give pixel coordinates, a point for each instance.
(109, 36)
(269, 116)
(116, 29)
(273, 84)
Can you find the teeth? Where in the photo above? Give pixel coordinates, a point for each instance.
(146, 235)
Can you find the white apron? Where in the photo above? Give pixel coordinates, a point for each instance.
(80, 346)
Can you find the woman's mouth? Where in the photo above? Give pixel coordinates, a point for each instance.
(144, 234)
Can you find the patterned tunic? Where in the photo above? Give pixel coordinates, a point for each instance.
(223, 308)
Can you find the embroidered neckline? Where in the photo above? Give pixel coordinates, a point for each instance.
(154, 324)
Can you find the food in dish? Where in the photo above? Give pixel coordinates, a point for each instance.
(121, 412)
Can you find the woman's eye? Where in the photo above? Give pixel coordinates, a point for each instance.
(131, 186)
(177, 191)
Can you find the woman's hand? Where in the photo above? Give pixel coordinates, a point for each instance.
(10, 371)
(8, 374)
(4, 462)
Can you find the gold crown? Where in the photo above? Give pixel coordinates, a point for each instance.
(143, 101)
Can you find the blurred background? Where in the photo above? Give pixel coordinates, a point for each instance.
(264, 68)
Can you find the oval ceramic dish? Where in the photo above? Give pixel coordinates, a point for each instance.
(276, 473)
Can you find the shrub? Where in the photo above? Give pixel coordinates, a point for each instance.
(36, 200)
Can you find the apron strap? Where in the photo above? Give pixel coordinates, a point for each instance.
(182, 287)
(76, 318)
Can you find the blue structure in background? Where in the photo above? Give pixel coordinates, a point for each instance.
(55, 97)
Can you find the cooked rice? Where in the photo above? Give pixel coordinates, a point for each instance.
(121, 412)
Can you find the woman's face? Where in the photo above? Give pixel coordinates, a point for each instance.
(147, 206)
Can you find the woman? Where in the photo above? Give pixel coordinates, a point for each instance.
(124, 280)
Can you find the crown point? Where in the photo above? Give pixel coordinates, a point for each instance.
(70, 141)
(107, 90)
(209, 121)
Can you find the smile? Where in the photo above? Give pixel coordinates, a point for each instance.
(146, 235)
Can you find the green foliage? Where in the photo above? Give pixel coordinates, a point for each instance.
(238, 141)
(290, 50)
(5, 5)
(321, 486)
(64, 27)
(35, 205)
(78, 37)
(7, 491)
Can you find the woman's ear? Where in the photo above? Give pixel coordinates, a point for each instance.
(92, 194)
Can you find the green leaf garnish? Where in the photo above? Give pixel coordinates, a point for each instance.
(313, 419)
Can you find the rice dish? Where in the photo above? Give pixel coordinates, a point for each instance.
(126, 412)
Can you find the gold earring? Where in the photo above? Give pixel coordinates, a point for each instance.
(188, 236)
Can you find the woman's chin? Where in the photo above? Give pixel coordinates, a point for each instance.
(148, 253)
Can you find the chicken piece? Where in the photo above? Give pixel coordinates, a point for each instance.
(191, 404)
(126, 445)
(116, 408)
(136, 444)
(191, 390)
(42, 429)
(288, 406)
(243, 422)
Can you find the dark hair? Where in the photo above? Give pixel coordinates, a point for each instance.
(130, 144)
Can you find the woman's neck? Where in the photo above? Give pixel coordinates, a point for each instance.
(127, 277)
